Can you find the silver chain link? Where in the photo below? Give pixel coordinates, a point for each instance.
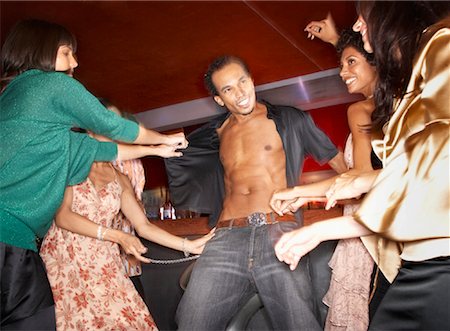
(184, 259)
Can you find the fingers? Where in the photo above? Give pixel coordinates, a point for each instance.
(174, 154)
(142, 258)
(281, 246)
(198, 245)
(314, 28)
(330, 203)
(314, 25)
(178, 140)
(137, 251)
(169, 151)
(292, 259)
(331, 198)
(275, 204)
(183, 144)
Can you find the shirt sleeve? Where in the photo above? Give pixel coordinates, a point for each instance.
(316, 143)
(85, 111)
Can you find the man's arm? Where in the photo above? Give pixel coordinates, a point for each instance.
(338, 163)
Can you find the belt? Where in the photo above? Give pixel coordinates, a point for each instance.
(255, 219)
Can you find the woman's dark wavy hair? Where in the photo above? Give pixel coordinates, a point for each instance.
(33, 44)
(394, 31)
(218, 64)
(350, 38)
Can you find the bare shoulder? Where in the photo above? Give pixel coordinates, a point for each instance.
(360, 112)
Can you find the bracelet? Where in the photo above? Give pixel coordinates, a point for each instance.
(183, 247)
(104, 232)
(99, 232)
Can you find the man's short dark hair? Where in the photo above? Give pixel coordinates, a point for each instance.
(218, 64)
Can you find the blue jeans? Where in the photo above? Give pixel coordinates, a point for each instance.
(235, 264)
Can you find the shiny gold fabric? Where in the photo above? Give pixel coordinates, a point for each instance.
(409, 203)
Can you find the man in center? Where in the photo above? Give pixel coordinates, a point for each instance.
(231, 168)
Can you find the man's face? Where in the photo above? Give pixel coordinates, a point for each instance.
(235, 88)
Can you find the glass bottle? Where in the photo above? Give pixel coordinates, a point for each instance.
(168, 212)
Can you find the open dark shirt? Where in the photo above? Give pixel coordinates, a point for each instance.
(196, 180)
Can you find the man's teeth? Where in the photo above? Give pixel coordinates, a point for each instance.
(243, 102)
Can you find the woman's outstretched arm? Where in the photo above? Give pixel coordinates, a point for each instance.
(133, 211)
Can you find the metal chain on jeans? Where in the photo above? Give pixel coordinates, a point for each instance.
(184, 259)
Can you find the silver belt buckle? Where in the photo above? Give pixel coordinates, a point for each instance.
(257, 219)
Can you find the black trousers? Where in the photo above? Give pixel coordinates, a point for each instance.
(136, 280)
(26, 296)
(418, 299)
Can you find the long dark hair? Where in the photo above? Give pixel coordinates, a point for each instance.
(394, 31)
(33, 44)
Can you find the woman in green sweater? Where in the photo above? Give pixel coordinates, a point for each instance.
(40, 156)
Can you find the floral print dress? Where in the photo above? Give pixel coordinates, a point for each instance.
(90, 286)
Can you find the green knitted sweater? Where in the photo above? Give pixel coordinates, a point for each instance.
(39, 153)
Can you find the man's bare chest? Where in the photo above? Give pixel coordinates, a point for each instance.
(257, 142)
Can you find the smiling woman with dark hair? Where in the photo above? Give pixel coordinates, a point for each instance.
(351, 264)
(408, 202)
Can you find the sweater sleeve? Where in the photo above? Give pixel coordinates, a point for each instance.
(83, 151)
(85, 111)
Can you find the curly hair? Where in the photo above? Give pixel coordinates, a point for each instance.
(218, 64)
(350, 38)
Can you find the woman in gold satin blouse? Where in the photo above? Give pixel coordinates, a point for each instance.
(407, 204)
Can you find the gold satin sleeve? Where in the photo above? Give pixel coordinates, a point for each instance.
(410, 198)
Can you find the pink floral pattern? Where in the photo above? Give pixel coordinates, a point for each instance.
(90, 285)
(134, 170)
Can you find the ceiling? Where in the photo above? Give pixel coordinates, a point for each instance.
(148, 57)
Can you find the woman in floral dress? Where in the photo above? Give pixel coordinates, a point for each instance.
(90, 285)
